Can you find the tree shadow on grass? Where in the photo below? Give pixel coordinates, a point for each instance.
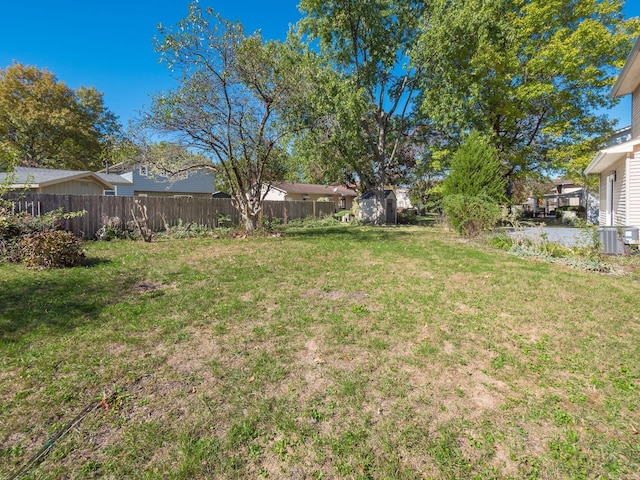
(58, 300)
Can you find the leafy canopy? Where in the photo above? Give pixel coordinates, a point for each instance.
(362, 110)
(234, 92)
(529, 74)
(44, 123)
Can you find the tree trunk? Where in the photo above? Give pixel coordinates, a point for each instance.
(250, 222)
(249, 209)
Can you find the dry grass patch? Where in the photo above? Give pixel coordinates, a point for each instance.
(355, 353)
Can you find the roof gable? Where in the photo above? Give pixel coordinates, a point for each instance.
(608, 156)
(42, 177)
(629, 77)
(114, 179)
(312, 189)
(369, 194)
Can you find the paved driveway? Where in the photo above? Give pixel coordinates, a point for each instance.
(568, 236)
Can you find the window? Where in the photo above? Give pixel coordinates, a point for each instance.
(110, 193)
(143, 170)
(342, 203)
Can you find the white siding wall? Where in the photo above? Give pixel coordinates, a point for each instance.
(635, 113)
(619, 194)
(275, 195)
(633, 189)
(602, 212)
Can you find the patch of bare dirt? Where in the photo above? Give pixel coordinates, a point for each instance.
(337, 295)
(150, 286)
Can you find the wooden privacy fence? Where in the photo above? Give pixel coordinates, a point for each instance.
(162, 211)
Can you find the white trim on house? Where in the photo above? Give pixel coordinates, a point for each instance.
(628, 79)
(607, 157)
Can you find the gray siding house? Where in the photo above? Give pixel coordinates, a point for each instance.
(139, 181)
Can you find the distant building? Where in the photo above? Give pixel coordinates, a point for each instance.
(403, 201)
(369, 207)
(564, 194)
(341, 196)
(52, 181)
(139, 180)
(620, 136)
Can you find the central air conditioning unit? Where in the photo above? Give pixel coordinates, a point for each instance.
(615, 240)
(631, 235)
(611, 241)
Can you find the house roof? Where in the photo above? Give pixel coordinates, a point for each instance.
(114, 179)
(118, 168)
(369, 194)
(629, 77)
(41, 177)
(311, 189)
(608, 156)
(567, 192)
(220, 195)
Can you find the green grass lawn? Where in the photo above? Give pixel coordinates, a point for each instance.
(349, 352)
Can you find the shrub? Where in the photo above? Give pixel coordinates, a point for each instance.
(15, 226)
(114, 228)
(311, 222)
(19, 224)
(501, 241)
(51, 249)
(192, 230)
(407, 217)
(471, 215)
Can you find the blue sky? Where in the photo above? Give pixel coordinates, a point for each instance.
(108, 43)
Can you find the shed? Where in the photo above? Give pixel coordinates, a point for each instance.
(370, 207)
(220, 195)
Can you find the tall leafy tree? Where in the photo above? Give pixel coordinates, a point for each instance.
(44, 123)
(530, 74)
(365, 107)
(233, 94)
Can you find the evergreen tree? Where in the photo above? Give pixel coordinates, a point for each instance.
(476, 170)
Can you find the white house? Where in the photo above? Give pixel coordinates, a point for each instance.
(618, 165)
(402, 195)
(341, 196)
(564, 194)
